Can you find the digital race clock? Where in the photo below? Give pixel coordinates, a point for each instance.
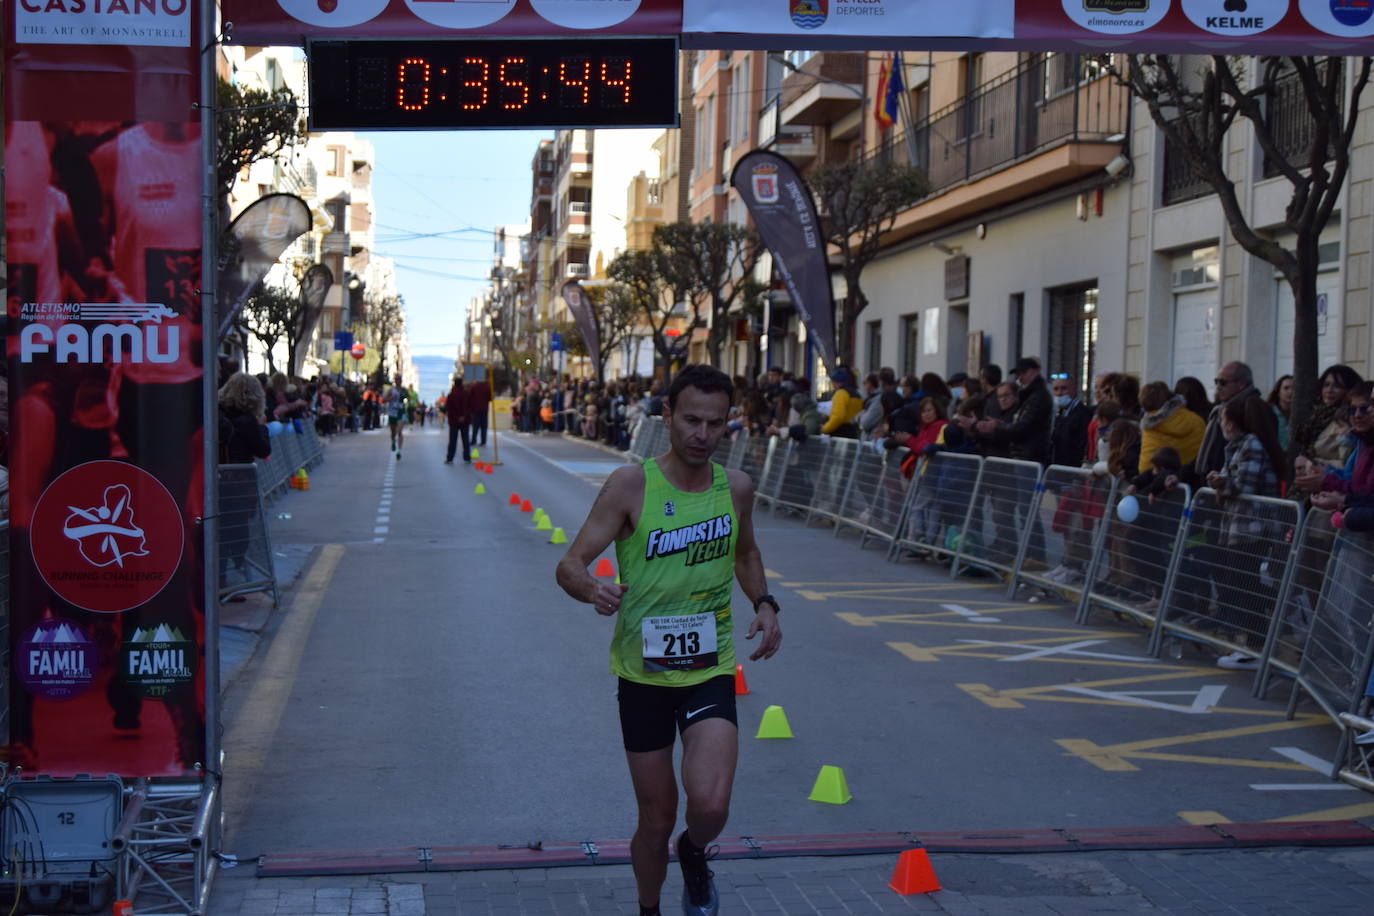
(493, 83)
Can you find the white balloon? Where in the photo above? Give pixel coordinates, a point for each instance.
(1128, 509)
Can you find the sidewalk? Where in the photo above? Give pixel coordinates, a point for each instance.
(1331, 882)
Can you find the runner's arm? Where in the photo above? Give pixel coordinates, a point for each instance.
(608, 518)
(749, 569)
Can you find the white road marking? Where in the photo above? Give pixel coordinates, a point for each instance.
(1072, 649)
(1204, 698)
(1298, 755)
(381, 529)
(1300, 786)
(970, 616)
(542, 457)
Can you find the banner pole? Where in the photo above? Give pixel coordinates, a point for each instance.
(495, 438)
(207, 42)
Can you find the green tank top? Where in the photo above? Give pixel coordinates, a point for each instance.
(674, 627)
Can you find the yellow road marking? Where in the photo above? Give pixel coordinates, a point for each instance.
(849, 586)
(1223, 761)
(1349, 812)
(771, 574)
(1097, 755)
(915, 652)
(1136, 747)
(1204, 818)
(994, 698)
(250, 738)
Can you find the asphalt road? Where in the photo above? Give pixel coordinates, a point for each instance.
(428, 684)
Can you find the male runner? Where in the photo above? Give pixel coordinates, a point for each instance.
(397, 407)
(683, 528)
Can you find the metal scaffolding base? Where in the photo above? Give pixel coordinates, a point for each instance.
(165, 844)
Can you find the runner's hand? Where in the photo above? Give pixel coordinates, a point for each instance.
(765, 622)
(606, 598)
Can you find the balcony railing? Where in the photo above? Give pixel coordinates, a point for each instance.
(1016, 116)
(1180, 183)
(1290, 120)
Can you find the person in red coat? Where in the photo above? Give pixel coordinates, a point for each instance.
(456, 409)
(479, 399)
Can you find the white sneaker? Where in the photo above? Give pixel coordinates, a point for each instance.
(1072, 577)
(1054, 574)
(1238, 661)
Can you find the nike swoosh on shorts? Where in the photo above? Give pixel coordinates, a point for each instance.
(702, 709)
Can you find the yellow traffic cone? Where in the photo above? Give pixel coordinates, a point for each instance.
(540, 514)
(479, 490)
(544, 524)
(558, 537)
(475, 454)
(830, 787)
(774, 724)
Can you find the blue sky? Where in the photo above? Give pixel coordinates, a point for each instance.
(453, 187)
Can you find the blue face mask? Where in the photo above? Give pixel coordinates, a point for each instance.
(1063, 400)
(958, 393)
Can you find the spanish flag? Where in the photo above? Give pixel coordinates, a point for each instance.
(881, 114)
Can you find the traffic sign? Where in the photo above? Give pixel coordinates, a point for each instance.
(357, 351)
(343, 340)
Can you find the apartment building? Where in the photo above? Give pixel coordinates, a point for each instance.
(1059, 223)
(332, 172)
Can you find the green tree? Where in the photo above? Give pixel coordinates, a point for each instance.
(658, 283)
(1195, 102)
(268, 315)
(385, 322)
(859, 204)
(718, 260)
(254, 124)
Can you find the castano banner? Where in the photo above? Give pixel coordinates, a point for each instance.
(1264, 26)
(784, 211)
(103, 207)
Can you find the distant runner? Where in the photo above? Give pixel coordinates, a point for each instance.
(396, 403)
(682, 527)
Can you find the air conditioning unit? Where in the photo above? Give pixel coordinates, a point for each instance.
(577, 271)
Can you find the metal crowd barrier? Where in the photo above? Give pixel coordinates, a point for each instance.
(874, 497)
(245, 548)
(292, 450)
(1071, 512)
(833, 479)
(939, 506)
(1004, 530)
(1135, 562)
(1236, 561)
(1334, 666)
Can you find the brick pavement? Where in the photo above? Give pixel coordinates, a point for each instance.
(1330, 882)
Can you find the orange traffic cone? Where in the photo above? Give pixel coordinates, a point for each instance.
(741, 685)
(477, 465)
(515, 499)
(604, 569)
(486, 469)
(526, 507)
(914, 874)
(123, 908)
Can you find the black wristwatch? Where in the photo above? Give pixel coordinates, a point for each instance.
(770, 599)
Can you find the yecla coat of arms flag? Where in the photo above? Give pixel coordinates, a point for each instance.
(809, 14)
(765, 178)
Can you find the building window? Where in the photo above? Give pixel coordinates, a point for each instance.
(970, 84)
(875, 345)
(1073, 333)
(911, 343)
(335, 156)
(797, 58)
(1018, 326)
(738, 104)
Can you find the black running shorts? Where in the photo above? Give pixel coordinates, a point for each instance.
(649, 713)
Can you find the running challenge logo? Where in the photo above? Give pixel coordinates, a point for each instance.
(126, 332)
(106, 536)
(702, 542)
(159, 23)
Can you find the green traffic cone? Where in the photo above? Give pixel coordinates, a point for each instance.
(774, 724)
(830, 787)
(479, 489)
(558, 537)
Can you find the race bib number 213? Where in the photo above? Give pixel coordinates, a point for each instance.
(685, 643)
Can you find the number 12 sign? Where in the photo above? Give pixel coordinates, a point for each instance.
(493, 84)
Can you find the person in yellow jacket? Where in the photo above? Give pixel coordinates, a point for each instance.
(1167, 422)
(845, 406)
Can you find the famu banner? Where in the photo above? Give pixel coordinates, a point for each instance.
(103, 207)
(785, 213)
